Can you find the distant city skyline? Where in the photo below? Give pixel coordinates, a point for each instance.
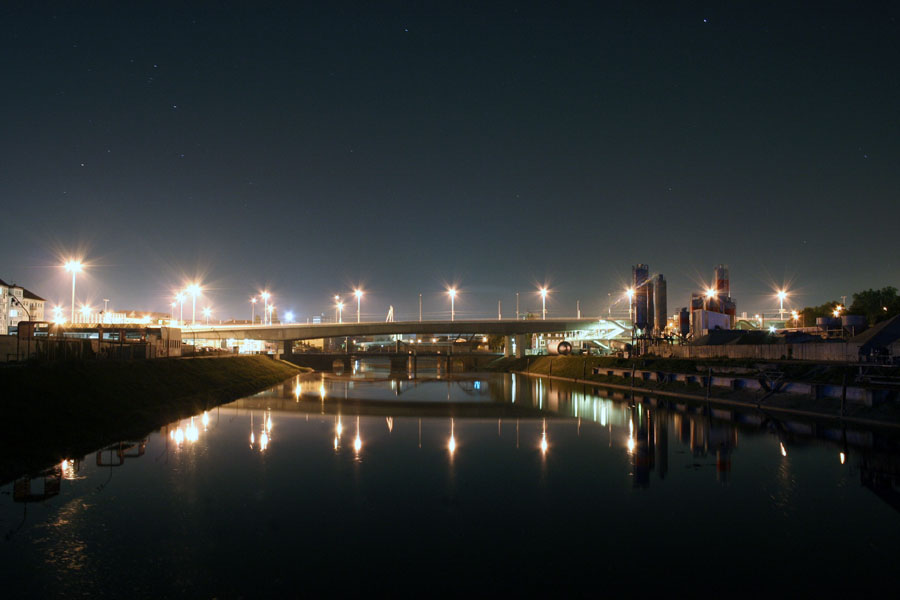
(310, 150)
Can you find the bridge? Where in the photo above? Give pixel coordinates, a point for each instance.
(288, 333)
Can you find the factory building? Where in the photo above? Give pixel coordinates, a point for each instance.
(648, 301)
(714, 308)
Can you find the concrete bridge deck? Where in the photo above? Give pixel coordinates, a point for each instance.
(306, 331)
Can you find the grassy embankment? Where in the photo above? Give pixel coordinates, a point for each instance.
(54, 411)
(580, 368)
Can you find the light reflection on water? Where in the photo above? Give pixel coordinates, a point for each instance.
(482, 472)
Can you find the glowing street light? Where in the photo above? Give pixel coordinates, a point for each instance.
(359, 294)
(206, 312)
(837, 310)
(340, 308)
(74, 266)
(270, 309)
(85, 313)
(782, 294)
(253, 310)
(452, 293)
(543, 292)
(180, 297)
(265, 296)
(194, 290)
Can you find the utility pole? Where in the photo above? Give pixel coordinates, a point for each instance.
(517, 306)
(420, 308)
(499, 311)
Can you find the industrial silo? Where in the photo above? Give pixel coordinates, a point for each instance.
(660, 306)
(640, 300)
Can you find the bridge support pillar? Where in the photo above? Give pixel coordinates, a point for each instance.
(507, 346)
(286, 349)
(520, 345)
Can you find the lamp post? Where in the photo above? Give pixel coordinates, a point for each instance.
(180, 297)
(781, 296)
(340, 307)
(270, 310)
(74, 266)
(452, 293)
(253, 310)
(206, 312)
(359, 294)
(337, 300)
(543, 304)
(194, 290)
(266, 313)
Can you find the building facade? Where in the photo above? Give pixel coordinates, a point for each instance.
(18, 304)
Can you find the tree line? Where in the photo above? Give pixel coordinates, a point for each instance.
(875, 305)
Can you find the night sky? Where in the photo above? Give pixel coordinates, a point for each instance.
(405, 147)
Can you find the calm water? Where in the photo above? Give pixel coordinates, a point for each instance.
(478, 484)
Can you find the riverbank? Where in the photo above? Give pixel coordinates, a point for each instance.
(595, 371)
(55, 411)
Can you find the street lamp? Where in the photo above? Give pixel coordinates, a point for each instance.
(452, 293)
(75, 267)
(781, 296)
(206, 312)
(266, 312)
(543, 304)
(359, 294)
(253, 310)
(85, 312)
(194, 290)
(180, 297)
(340, 308)
(270, 309)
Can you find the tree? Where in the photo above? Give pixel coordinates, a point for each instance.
(809, 314)
(876, 305)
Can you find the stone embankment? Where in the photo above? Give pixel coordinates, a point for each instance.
(802, 389)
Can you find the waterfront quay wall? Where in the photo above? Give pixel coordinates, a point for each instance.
(813, 351)
(815, 391)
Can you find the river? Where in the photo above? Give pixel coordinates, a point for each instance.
(477, 483)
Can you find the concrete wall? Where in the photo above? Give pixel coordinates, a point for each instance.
(856, 395)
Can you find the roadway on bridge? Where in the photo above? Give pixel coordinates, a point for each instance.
(306, 331)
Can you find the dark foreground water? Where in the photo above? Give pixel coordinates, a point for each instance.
(484, 484)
